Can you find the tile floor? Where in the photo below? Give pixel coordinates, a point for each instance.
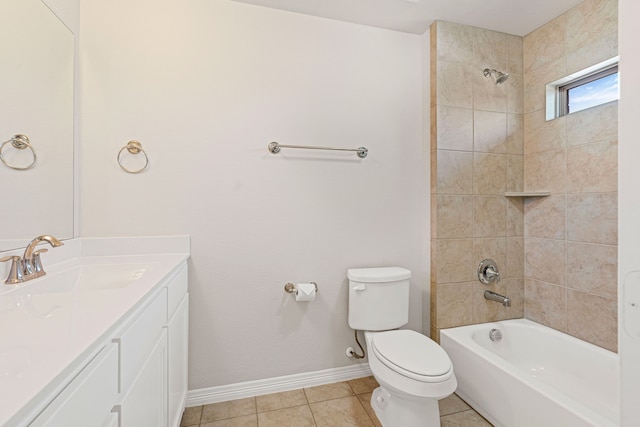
(342, 404)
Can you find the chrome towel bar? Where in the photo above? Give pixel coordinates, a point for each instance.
(275, 147)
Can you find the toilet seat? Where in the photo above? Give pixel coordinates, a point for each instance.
(413, 355)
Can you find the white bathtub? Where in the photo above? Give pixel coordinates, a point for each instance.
(535, 376)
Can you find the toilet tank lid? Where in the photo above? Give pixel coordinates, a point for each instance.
(378, 274)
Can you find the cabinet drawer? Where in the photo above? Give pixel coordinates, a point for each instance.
(177, 290)
(139, 339)
(88, 399)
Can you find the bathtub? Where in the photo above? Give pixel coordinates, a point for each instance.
(535, 376)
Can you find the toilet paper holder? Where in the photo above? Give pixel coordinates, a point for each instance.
(292, 289)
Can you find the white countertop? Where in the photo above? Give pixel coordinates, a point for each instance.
(51, 326)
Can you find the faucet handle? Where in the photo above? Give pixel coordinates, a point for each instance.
(36, 262)
(15, 272)
(488, 271)
(491, 273)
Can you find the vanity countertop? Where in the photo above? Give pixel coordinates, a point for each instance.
(52, 326)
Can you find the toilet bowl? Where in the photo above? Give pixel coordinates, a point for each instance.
(413, 371)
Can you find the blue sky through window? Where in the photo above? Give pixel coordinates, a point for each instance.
(594, 93)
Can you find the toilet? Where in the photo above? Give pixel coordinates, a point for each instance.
(413, 371)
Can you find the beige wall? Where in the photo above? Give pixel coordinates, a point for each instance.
(571, 236)
(205, 86)
(476, 155)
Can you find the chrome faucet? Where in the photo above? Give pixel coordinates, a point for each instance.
(492, 296)
(31, 262)
(30, 265)
(488, 271)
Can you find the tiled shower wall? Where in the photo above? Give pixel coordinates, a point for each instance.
(571, 236)
(557, 255)
(476, 155)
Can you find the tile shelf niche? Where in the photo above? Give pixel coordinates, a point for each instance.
(527, 194)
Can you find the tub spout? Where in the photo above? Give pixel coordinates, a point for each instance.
(492, 296)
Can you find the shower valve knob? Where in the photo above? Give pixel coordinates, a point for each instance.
(488, 272)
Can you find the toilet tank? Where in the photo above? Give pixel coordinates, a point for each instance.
(378, 298)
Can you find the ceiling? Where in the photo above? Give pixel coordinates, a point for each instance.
(518, 17)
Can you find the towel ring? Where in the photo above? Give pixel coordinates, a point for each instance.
(19, 142)
(133, 147)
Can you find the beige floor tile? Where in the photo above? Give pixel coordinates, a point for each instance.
(191, 416)
(464, 419)
(328, 391)
(365, 400)
(299, 416)
(363, 385)
(452, 404)
(332, 405)
(344, 412)
(231, 409)
(287, 399)
(245, 421)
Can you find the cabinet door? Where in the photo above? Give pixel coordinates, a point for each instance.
(140, 338)
(113, 420)
(178, 347)
(145, 402)
(88, 399)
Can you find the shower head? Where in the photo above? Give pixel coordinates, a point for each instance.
(501, 78)
(499, 75)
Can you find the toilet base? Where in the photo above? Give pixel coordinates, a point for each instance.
(396, 411)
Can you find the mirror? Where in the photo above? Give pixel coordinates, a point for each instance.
(36, 100)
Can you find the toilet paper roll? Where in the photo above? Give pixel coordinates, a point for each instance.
(305, 292)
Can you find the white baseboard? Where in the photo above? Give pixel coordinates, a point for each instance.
(205, 396)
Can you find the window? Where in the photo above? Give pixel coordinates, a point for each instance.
(588, 88)
(590, 91)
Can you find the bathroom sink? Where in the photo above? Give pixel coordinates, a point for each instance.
(62, 325)
(111, 276)
(88, 277)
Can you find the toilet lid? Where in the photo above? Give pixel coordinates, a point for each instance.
(410, 351)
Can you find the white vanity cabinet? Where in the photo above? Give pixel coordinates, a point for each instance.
(154, 353)
(143, 367)
(87, 400)
(139, 377)
(178, 344)
(145, 401)
(154, 360)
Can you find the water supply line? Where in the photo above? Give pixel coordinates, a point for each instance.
(352, 352)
